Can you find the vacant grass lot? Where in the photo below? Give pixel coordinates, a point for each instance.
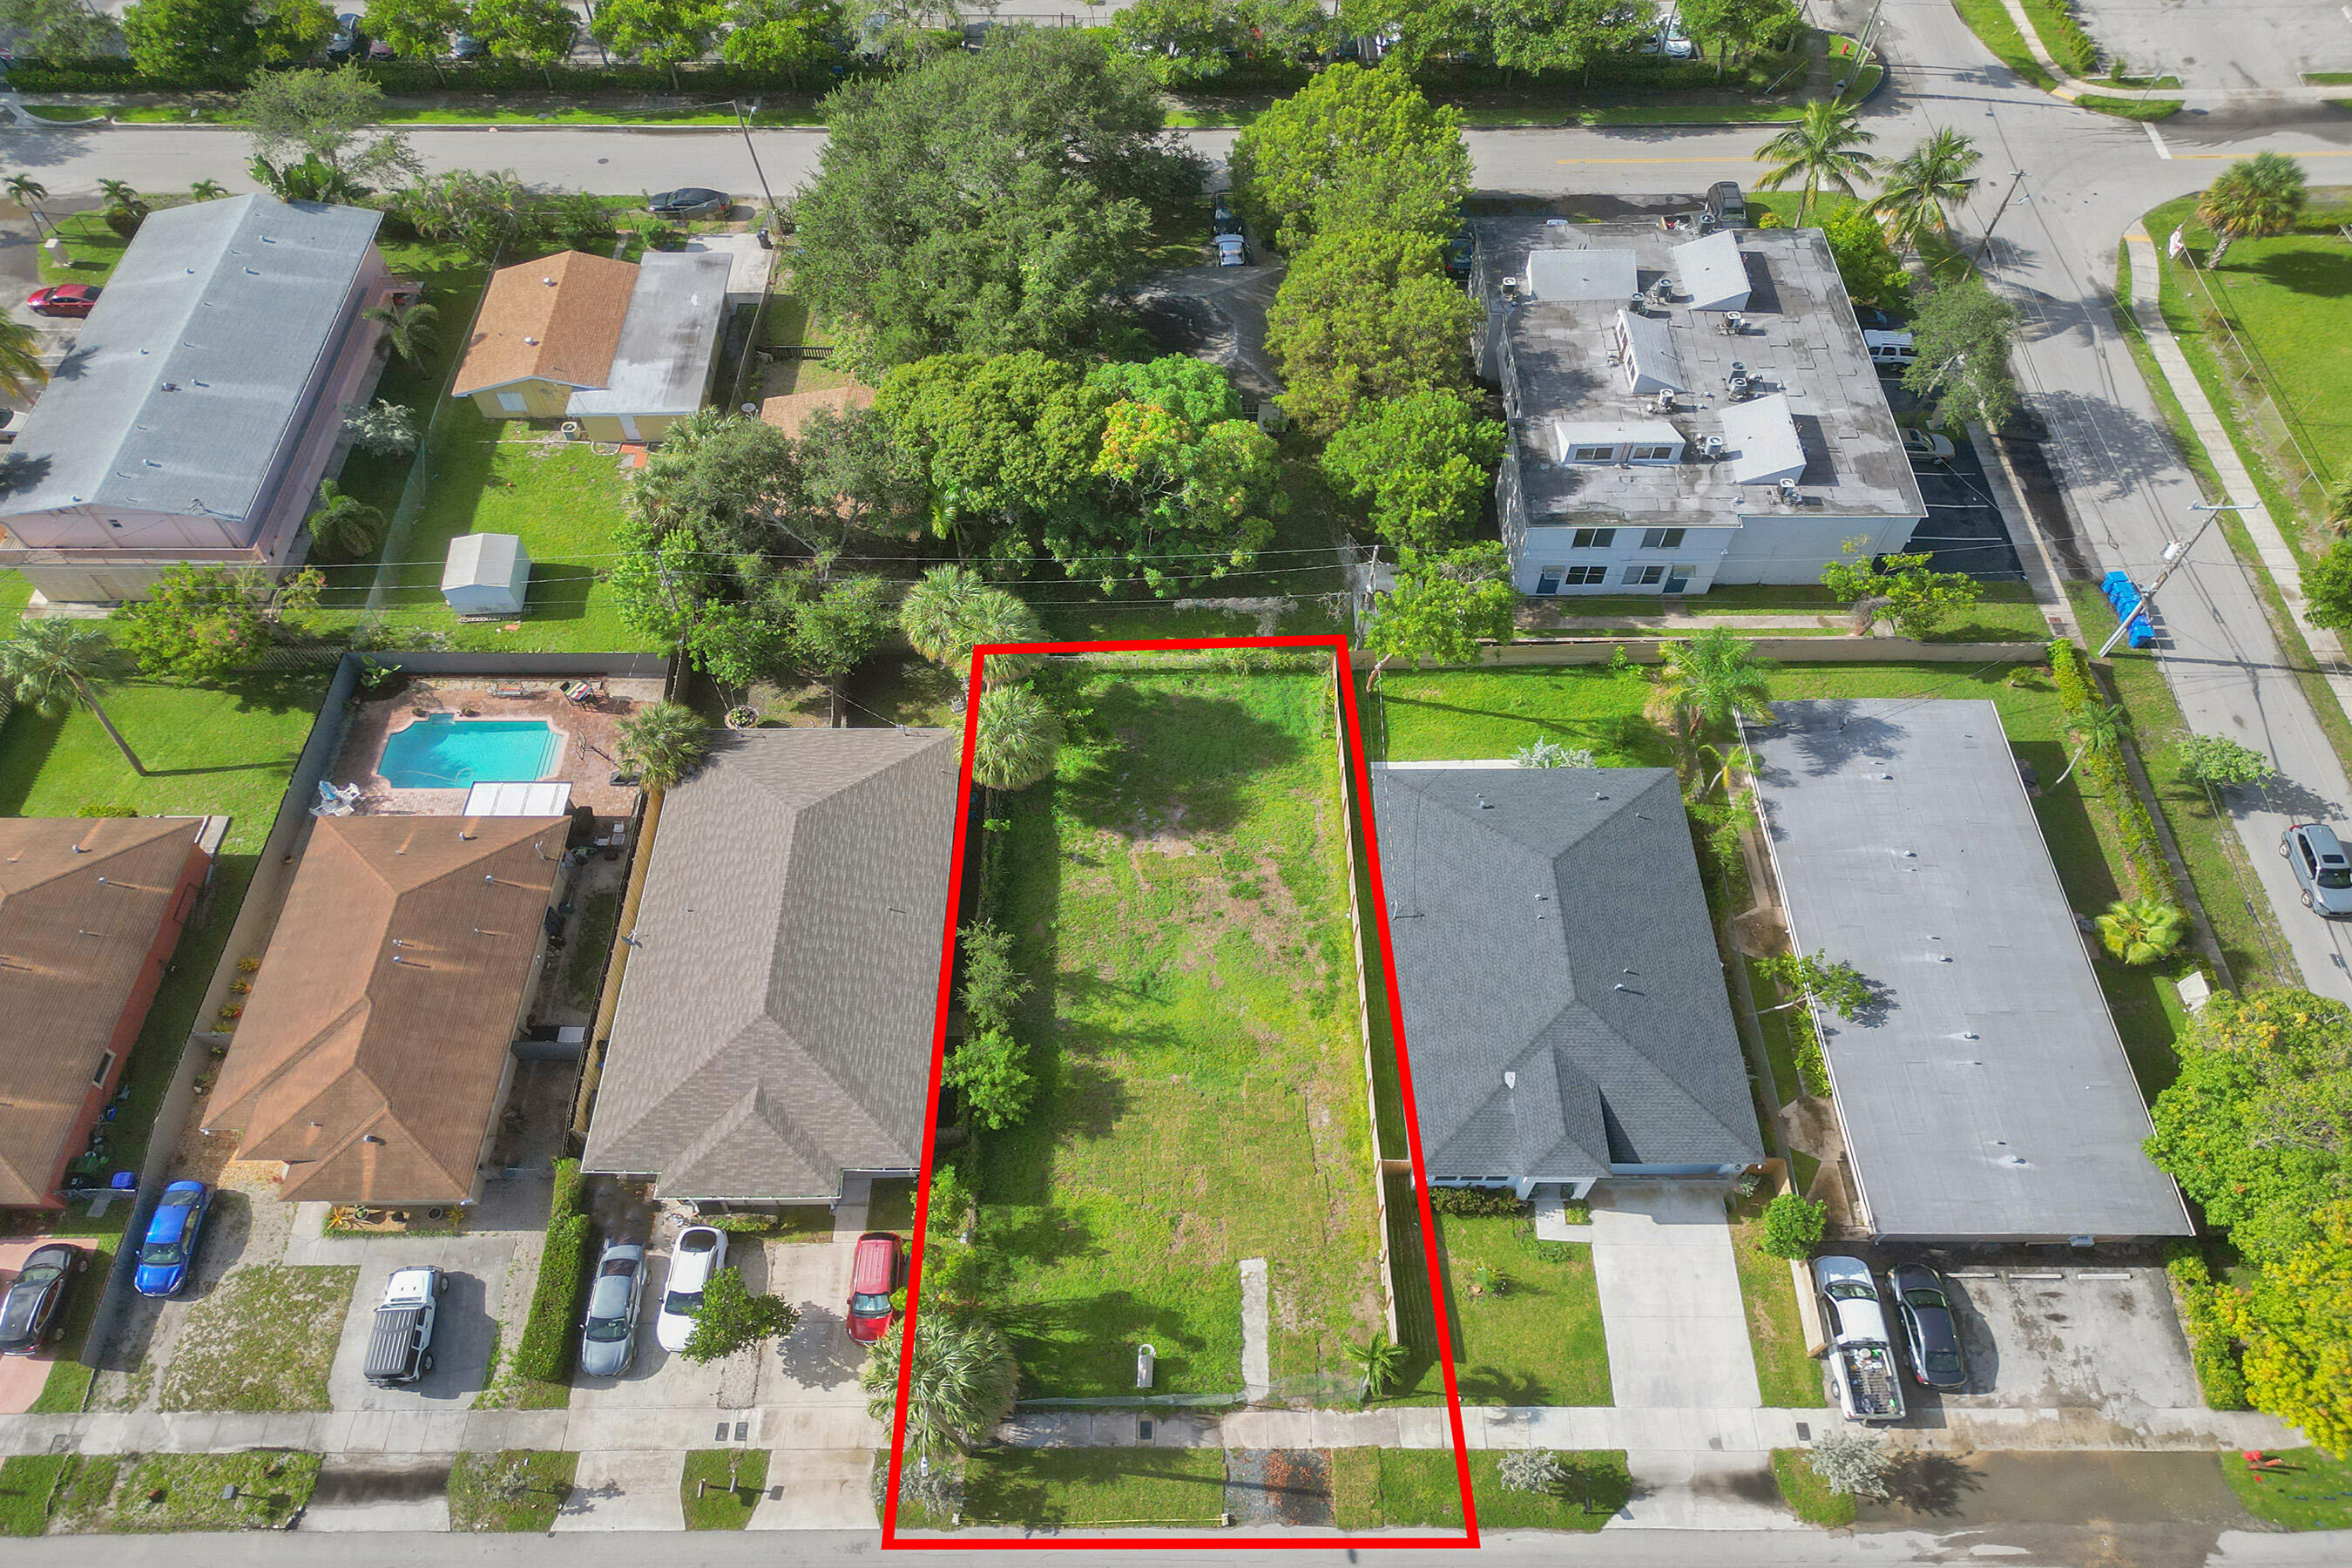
(297, 1312)
(1526, 1318)
(1492, 713)
(1178, 891)
(1405, 1488)
(131, 1492)
(513, 1489)
(1096, 1487)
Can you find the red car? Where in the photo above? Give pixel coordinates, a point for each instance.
(873, 1275)
(63, 300)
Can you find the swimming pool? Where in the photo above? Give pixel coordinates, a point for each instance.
(445, 751)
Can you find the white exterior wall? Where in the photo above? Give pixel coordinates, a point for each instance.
(1793, 546)
(1702, 549)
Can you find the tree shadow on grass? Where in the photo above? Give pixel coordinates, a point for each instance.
(26, 739)
(2319, 274)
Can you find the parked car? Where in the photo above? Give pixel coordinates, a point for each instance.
(700, 1252)
(63, 300)
(873, 1275)
(35, 1301)
(1223, 220)
(1890, 351)
(1232, 250)
(691, 202)
(378, 49)
(348, 40)
(608, 1339)
(12, 420)
(1728, 207)
(1930, 1329)
(1927, 444)
(173, 1233)
(1862, 1351)
(400, 1336)
(2322, 870)
(465, 46)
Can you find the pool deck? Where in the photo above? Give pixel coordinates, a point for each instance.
(591, 739)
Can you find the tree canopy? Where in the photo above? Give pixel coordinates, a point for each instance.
(197, 623)
(1003, 441)
(1444, 608)
(1366, 315)
(988, 203)
(327, 115)
(1899, 589)
(1352, 148)
(59, 29)
(1423, 461)
(192, 38)
(1963, 332)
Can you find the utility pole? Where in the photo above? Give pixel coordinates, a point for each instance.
(2173, 554)
(2016, 178)
(745, 126)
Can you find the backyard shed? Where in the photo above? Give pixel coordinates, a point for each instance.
(486, 574)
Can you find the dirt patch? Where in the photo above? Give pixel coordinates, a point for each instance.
(1279, 1486)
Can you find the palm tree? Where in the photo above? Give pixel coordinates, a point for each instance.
(663, 742)
(2254, 196)
(409, 326)
(207, 190)
(1019, 735)
(1924, 185)
(1824, 146)
(1724, 764)
(30, 194)
(51, 665)
(2098, 728)
(952, 611)
(963, 1384)
(1709, 679)
(1379, 1360)
(343, 524)
(2141, 931)
(2339, 504)
(21, 369)
(124, 211)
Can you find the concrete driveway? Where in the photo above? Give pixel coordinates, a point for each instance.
(465, 1331)
(1670, 1302)
(625, 1491)
(818, 1488)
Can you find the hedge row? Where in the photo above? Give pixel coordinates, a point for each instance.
(1474, 1201)
(109, 75)
(2211, 1346)
(544, 1354)
(2078, 692)
(1805, 1044)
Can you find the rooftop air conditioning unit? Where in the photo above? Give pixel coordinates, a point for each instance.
(1665, 403)
(1713, 448)
(1638, 303)
(1789, 494)
(1733, 322)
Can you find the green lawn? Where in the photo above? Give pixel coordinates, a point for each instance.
(722, 1485)
(207, 750)
(1419, 1488)
(513, 1489)
(2314, 1492)
(1177, 890)
(256, 1490)
(891, 1205)
(262, 1339)
(1089, 1488)
(1526, 1317)
(2006, 614)
(1807, 1494)
(66, 1389)
(1786, 1376)
(27, 1484)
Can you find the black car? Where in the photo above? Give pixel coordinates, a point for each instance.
(35, 1301)
(691, 202)
(1223, 220)
(1932, 1333)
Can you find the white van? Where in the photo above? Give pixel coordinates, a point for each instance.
(1889, 350)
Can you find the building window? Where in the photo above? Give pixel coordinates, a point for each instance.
(1644, 576)
(1652, 454)
(1661, 539)
(1584, 576)
(105, 1066)
(510, 402)
(1593, 539)
(1592, 454)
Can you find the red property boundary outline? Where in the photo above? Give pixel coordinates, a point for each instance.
(1345, 679)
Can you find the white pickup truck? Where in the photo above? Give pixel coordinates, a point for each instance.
(400, 1339)
(1861, 1354)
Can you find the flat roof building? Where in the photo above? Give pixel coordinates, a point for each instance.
(1683, 410)
(1988, 1097)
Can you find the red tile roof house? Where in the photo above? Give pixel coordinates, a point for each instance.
(90, 909)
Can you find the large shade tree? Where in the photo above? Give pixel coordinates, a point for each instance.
(1352, 148)
(1366, 315)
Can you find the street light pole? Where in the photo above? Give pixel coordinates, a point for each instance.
(2173, 554)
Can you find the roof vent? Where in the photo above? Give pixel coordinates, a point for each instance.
(1484, 805)
(1510, 1081)
(253, 272)
(533, 341)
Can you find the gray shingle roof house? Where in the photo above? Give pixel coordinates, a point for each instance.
(1990, 1099)
(1564, 1008)
(775, 1020)
(201, 401)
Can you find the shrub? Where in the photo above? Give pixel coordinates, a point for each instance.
(2212, 1348)
(544, 1352)
(2078, 692)
(1813, 1067)
(1793, 1225)
(1470, 1202)
(992, 989)
(732, 1318)
(1531, 1470)
(991, 1069)
(106, 811)
(1851, 1462)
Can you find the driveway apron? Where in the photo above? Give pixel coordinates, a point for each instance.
(1670, 1301)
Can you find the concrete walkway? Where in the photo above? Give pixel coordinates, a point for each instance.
(1257, 1363)
(624, 1491)
(1670, 1301)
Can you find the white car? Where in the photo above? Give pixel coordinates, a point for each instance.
(1927, 445)
(699, 1252)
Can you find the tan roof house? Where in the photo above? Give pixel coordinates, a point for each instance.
(91, 909)
(627, 349)
(375, 1051)
(774, 1025)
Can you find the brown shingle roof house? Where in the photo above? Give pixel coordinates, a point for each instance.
(775, 1027)
(375, 1050)
(91, 909)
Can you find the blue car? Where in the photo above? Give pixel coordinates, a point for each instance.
(171, 1235)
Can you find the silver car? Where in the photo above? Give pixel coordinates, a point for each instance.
(608, 1341)
(2322, 870)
